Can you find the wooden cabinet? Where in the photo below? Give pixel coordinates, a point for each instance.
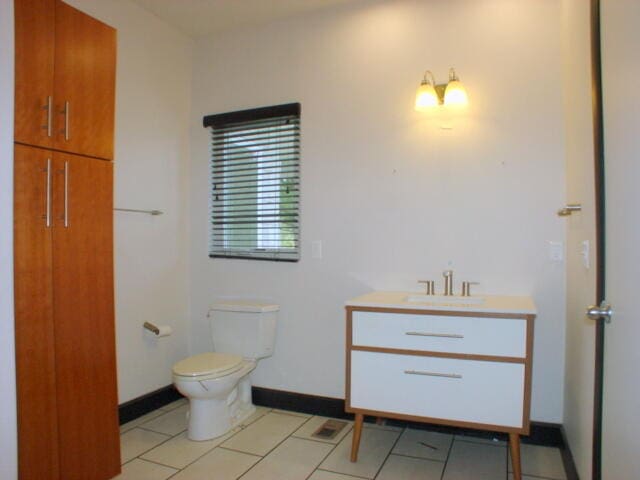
(65, 336)
(34, 329)
(463, 368)
(63, 244)
(65, 79)
(34, 56)
(84, 318)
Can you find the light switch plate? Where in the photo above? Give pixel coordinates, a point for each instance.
(556, 251)
(585, 251)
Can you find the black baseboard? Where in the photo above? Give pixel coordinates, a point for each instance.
(300, 402)
(147, 403)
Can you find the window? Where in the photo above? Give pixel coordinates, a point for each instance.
(255, 183)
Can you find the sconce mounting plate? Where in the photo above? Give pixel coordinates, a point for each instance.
(440, 89)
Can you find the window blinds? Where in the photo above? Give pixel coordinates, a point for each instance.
(255, 183)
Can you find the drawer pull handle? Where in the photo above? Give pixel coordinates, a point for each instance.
(432, 374)
(439, 335)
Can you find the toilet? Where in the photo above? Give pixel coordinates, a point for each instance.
(217, 383)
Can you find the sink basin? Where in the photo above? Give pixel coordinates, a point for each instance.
(445, 300)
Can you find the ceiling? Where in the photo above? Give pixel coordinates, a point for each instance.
(204, 17)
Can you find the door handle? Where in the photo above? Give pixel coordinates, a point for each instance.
(47, 214)
(66, 194)
(49, 108)
(67, 113)
(568, 209)
(432, 374)
(604, 311)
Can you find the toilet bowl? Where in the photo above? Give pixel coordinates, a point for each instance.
(217, 384)
(219, 392)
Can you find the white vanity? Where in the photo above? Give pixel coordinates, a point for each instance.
(459, 362)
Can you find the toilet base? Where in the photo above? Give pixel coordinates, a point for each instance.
(207, 422)
(213, 417)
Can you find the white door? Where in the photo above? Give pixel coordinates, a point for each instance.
(620, 30)
(580, 359)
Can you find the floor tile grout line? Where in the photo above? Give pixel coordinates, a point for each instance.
(336, 446)
(389, 453)
(446, 460)
(239, 451)
(167, 440)
(208, 452)
(417, 458)
(243, 426)
(509, 470)
(345, 474)
(148, 450)
(240, 428)
(222, 448)
(479, 443)
(333, 447)
(171, 435)
(158, 463)
(279, 443)
(162, 412)
(506, 477)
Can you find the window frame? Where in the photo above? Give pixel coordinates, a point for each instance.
(284, 171)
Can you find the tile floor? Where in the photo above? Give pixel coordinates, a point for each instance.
(277, 445)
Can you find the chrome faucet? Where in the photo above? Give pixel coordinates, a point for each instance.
(448, 282)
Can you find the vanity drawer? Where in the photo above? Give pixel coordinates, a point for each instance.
(504, 337)
(473, 391)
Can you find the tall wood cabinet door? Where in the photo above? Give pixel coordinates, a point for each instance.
(34, 56)
(84, 318)
(34, 329)
(85, 64)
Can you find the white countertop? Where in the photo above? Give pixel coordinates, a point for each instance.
(491, 304)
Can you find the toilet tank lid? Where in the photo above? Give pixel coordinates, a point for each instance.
(243, 306)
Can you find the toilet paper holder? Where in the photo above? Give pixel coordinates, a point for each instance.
(151, 327)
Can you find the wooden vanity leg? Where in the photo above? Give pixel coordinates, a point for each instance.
(514, 447)
(357, 431)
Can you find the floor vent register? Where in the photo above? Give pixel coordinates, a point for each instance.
(329, 429)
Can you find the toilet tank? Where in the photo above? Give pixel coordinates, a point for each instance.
(244, 328)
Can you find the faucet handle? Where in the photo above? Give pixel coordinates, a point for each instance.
(466, 288)
(430, 286)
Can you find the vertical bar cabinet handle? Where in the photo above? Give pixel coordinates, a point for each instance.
(66, 194)
(49, 108)
(67, 134)
(48, 213)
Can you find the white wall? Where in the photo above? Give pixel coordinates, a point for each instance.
(8, 441)
(393, 197)
(151, 163)
(581, 281)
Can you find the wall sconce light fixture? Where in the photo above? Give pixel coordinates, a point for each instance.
(451, 94)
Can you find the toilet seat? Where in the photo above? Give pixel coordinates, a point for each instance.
(206, 366)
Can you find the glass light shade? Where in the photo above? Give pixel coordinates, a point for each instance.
(426, 97)
(455, 95)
